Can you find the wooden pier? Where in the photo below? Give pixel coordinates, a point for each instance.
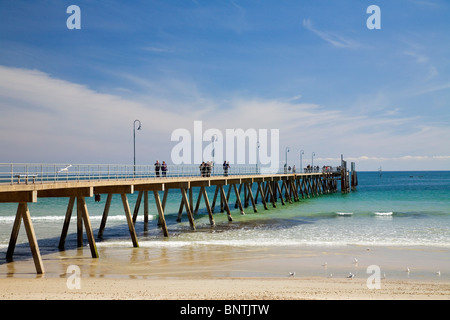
(270, 190)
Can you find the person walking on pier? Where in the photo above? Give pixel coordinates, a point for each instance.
(201, 167)
(204, 169)
(157, 168)
(164, 169)
(209, 166)
(226, 166)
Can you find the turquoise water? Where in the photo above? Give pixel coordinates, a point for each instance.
(394, 209)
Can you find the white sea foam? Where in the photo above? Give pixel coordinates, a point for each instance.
(383, 213)
(7, 219)
(344, 213)
(260, 243)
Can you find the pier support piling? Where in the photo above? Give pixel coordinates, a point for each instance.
(81, 205)
(187, 207)
(23, 213)
(105, 215)
(126, 208)
(161, 217)
(225, 202)
(65, 229)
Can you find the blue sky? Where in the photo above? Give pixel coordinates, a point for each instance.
(311, 69)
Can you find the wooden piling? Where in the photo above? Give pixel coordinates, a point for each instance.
(225, 202)
(105, 215)
(137, 206)
(81, 205)
(130, 223)
(263, 198)
(65, 229)
(208, 208)
(146, 209)
(238, 199)
(188, 207)
(79, 224)
(160, 210)
(24, 214)
(354, 178)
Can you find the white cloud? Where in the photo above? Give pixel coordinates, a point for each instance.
(44, 119)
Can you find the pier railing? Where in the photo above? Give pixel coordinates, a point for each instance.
(18, 173)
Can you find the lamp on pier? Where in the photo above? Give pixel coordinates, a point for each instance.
(301, 164)
(312, 160)
(285, 165)
(213, 138)
(134, 143)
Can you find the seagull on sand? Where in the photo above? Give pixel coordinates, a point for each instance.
(291, 274)
(408, 270)
(350, 275)
(438, 273)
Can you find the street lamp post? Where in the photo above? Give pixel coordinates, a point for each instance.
(134, 143)
(301, 164)
(312, 161)
(285, 165)
(257, 155)
(213, 138)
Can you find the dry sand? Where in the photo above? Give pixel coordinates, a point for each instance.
(219, 289)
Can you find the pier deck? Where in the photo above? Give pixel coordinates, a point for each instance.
(270, 188)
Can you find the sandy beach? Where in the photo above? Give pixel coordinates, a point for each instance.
(230, 273)
(220, 289)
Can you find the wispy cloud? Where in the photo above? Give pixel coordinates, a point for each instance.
(427, 3)
(46, 119)
(295, 98)
(154, 49)
(420, 58)
(423, 61)
(432, 89)
(334, 39)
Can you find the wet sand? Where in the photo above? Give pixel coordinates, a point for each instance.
(228, 272)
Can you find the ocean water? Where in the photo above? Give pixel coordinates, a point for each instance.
(391, 209)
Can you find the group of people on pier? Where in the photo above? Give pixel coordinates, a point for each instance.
(160, 167)
(288, 169)
(205, 168)
(310, 168)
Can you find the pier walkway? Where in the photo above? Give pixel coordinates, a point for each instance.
(26, 183)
